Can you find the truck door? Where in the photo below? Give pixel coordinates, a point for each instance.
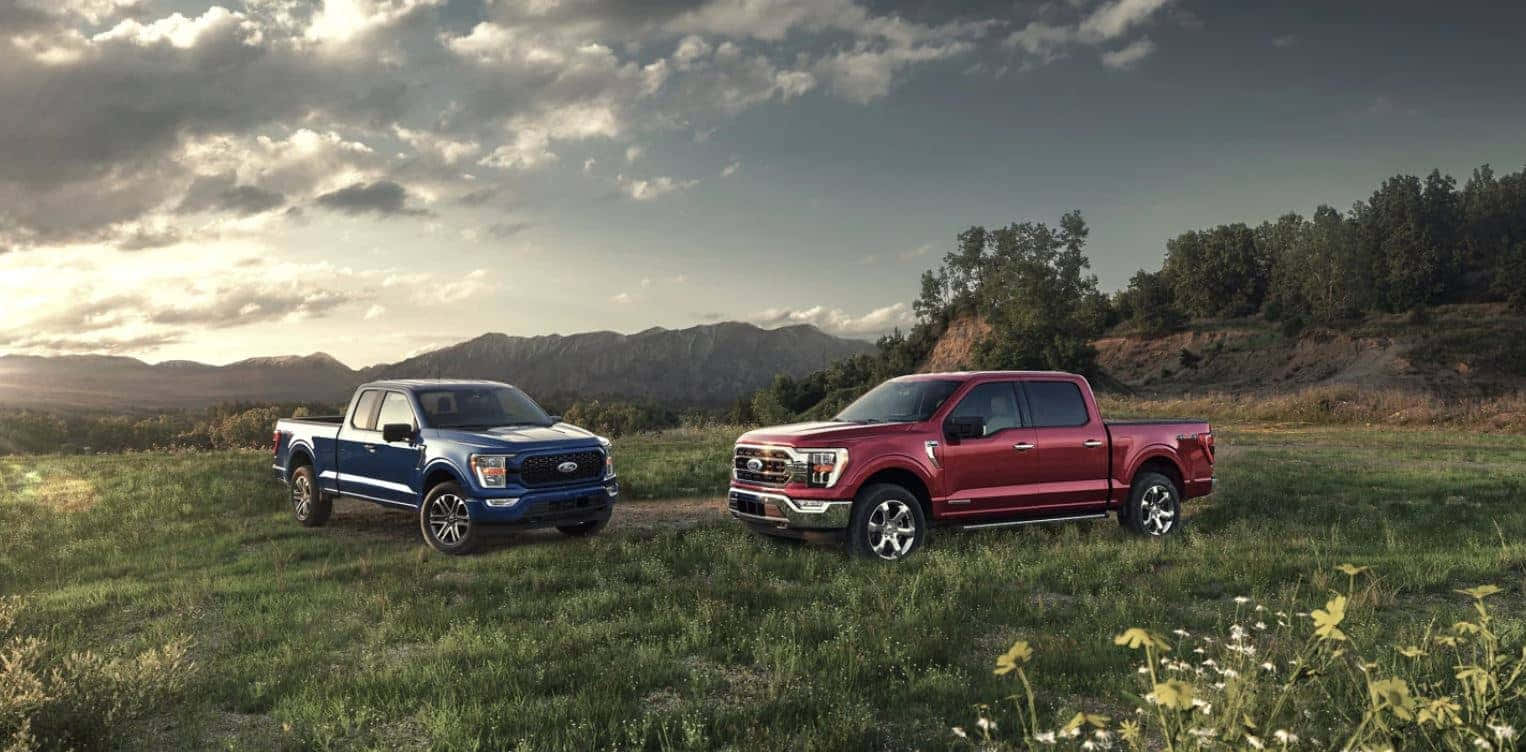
(356, 443)
(1072, 447)
(397, 463)
(990, 473)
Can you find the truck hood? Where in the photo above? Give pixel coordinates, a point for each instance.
(818, 433)
(519, 437)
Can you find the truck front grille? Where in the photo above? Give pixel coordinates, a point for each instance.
(763, 465)
(545, 469)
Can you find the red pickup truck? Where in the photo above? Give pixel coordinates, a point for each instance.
(973, 450)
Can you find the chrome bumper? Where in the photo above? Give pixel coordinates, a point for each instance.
(765, 508)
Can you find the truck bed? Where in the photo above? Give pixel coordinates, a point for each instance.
(1152, 421)
(328, 420)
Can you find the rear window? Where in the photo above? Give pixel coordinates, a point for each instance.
(364, 416)
(1056, 404)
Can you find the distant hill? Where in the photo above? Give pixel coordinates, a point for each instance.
(700, 365)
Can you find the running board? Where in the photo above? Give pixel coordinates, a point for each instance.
(1035, 521)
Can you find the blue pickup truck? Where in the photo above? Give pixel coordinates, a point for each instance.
(462, 454)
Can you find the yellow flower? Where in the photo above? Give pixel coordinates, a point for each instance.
(1481, 592)
(1174, 693)
(1136, 637)
(1466, 627)
(1007, 662)
(1392, 693)
(1351, 570)
(1129, 730)
(1440, 712)
(1327, 620)
(1087, 719)
(1411, 651)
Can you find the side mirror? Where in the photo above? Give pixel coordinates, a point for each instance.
(555, 419)
(965, 427)
(397, 432)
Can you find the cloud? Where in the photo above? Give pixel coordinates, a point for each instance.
(648, 189)
(1284, 41)
(919, 251)
(382, 197)
(1044, 42)
(507, 229)
(375, 311)
(837, 321)
(621, 298)
(731, 169)
(1129, 56)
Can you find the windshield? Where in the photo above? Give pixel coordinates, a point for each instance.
(899, 401)
(480, 407)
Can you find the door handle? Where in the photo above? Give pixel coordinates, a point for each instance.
(1092, 443)
(1023, 447)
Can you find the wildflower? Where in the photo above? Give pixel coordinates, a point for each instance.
(959, 732)
(1254, 742)
(1481, 592)
(1327, 620)
(1503, 732)
(986, 724)
(1230, 673)
(1241, 600)
(1482, 743)
(1440, 712)
(1260, 608)
(1086, 719)
(1173, 694)
(1268, 667)
(1392, 693)
(1411, 651)
(1047, 737)
(1019, 653)
(1129, 730)
(1261, 626)
(1285, 738)
(1351, 570)
(1135, 638)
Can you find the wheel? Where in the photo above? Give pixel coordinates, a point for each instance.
(583, 529)
(446, 522)
(1155, 505)
(888, 522)
(309, 504)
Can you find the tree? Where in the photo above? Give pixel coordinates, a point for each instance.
(1147, 303)
(1217, 272)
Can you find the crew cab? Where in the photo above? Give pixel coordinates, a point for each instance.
(972, 450)
(463, 455)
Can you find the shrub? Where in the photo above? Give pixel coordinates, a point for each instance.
(78, 700)
(1302, 680)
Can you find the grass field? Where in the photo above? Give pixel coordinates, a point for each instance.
(355, 636)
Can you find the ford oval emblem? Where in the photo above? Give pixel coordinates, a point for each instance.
(567, 468)
(755, 464)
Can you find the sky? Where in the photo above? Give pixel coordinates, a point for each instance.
(377, 178)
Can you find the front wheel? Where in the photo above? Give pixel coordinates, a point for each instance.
(1155, 505)
(446, 522)
(888, 522)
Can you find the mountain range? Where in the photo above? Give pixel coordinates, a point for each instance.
(705, 365)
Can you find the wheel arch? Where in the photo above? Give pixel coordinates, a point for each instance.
(1163, 463)
(300, 455)
(905, 477)
(441, 471)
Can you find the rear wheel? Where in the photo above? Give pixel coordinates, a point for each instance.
(1155, 505)
(446, 522)
(888, 522)
(310, 505)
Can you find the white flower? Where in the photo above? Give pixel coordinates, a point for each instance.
(1260, 607)
(1088, 745)
(1261, 625)
(1254, 742)
(1229, 672)
(1242, 600)
(1503, 732)
(1268, 667)
(1482, 743)
(1181, 633)
(959, 732)
(1285, 738)
(1046, 737)
(986, 724)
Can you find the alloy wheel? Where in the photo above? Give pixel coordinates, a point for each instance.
(448, 519)
(1157, 509)
(302, 497)
(892, 529)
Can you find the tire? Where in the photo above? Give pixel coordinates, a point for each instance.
(882, 507)
(445, 521)
(1155, 506)
(309, 504)
(584, 529)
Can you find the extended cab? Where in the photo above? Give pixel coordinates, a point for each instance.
(462, 454)
(968, 449)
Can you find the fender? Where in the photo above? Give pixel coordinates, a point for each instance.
(1151, 452)
(442, 463)
(894, 461)
(302, 445)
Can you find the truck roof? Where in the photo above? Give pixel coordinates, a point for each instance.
(967, 375)
(424, 383)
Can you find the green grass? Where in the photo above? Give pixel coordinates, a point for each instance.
(355, 636)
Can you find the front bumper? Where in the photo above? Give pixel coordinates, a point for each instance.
(770, 509)
(548, 507)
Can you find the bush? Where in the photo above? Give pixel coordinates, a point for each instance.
(1279, 679)
(79, 700)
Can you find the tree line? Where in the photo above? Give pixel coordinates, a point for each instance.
(1412, 244)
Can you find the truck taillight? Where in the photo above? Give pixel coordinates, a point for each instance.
(275, 443)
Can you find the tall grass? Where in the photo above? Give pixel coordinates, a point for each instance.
(1332, 405)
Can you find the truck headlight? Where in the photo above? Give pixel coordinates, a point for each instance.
(609, 457)
(824, 466)
(492, 470)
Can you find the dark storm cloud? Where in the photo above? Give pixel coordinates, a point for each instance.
(507, 229)
(382, 197)
(220, 193)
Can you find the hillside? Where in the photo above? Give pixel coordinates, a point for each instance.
(1453, 351)
(700, 365)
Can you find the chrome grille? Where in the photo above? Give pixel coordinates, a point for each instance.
(776, 465)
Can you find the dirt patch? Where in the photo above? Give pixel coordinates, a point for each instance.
(247, 731)
(668, 514)
(65, 494)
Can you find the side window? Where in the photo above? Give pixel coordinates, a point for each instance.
(995, 401)
(365, 410)
(395, 409)
(1056, 404)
